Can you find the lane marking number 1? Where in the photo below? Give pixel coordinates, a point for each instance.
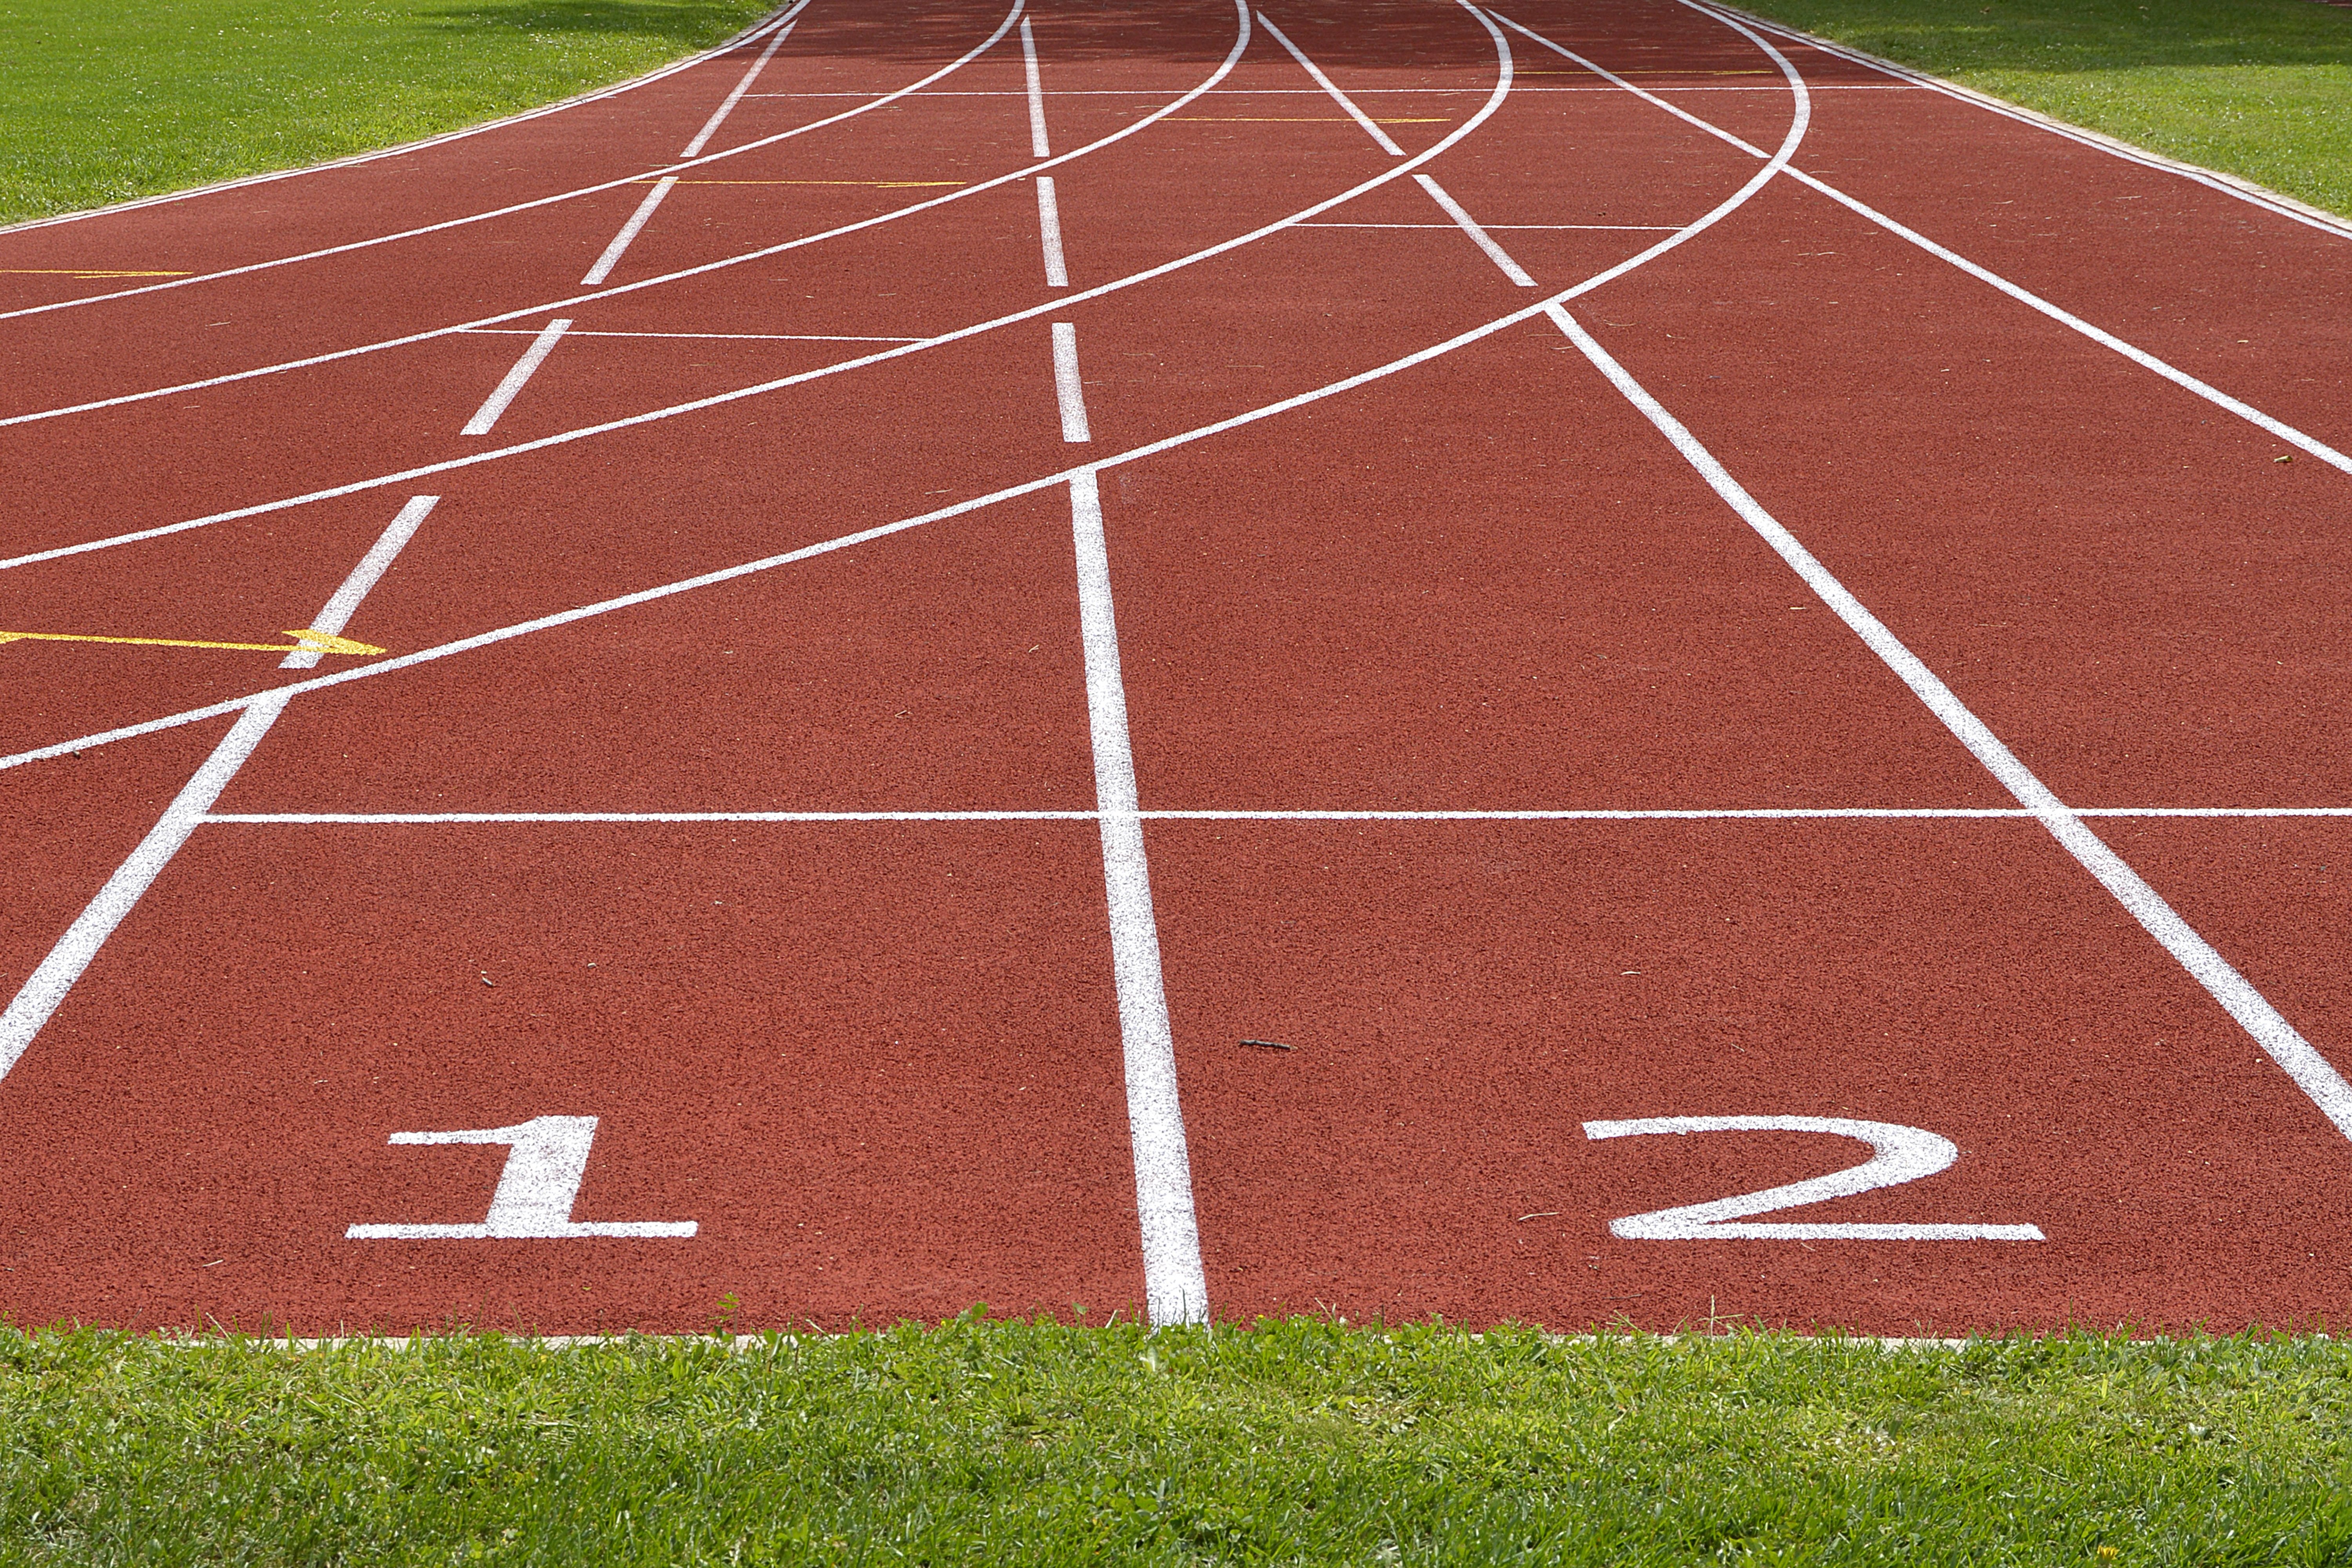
(547, 1156)
(1897, 1155)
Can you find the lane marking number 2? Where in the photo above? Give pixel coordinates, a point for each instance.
(1897, 1155)
(546, 1158)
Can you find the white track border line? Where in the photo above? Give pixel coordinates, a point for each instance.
(719, 116)
(483, 322)
(2228, 184)
(639, 177)
(1799, 121)
(2065, 318)
(2310, 1071)
(45, 989)
(749, 35)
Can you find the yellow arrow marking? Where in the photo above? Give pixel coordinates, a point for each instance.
(305, 638)
(83, 272)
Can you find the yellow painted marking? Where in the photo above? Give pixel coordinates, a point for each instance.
(305, 638)
(83, 272)
(877, 184)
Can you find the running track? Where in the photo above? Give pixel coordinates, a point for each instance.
(1667, 612)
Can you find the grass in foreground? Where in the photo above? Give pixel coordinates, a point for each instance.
(104, 102)
(2261, 88)
(1298, 1441)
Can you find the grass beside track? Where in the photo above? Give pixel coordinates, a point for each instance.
(2260, 89)
(1298, 1441)
(102, 102)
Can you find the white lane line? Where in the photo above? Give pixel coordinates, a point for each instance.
(1328, 85)
(718, 117)
(749, 35)
(1668, 814)
(1501, 90)
(967, 58)
(1909, 80)
(2139, 356)
(1175, 1286)
(1038, 147)
(2311, 1071)
(1241, 41)
(524, 368)
(1799, 121)
(1049, 229)
(1479, 237)
(604, 263)
(1067, 392)
(363, 579)
(747, 337)
(45, 990)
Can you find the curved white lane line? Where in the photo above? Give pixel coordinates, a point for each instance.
(1240, 43)
(1799, 121)
(2228, 184)
(749, 35)
(702, 163)
(1494, 101)
(2023, 296)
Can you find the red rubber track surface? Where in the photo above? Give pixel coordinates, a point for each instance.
(879, 1062)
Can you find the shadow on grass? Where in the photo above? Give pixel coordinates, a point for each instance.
(687, 23)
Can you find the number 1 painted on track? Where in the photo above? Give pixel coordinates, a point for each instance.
(547, 1156)
(1897, 1155)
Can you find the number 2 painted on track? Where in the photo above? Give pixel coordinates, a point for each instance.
(1897, 1155)
(546, 1158)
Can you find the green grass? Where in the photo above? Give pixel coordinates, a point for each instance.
(100, 102)
(2261, 88)
(1294, 1442)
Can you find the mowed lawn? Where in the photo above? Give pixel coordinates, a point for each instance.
(2259, 88)
(1294, 1442)
(101, 102)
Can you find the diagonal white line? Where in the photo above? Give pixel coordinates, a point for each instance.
(1479, 237)
(612, 256)
(719, 116)
(2139, 356)
(1328, 85)
(614, 292)
(1908, 80)
(2311, 1071)
(1495, 101)
(486, 415)
(363, 579)
(45, 989)
(1799, 119)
